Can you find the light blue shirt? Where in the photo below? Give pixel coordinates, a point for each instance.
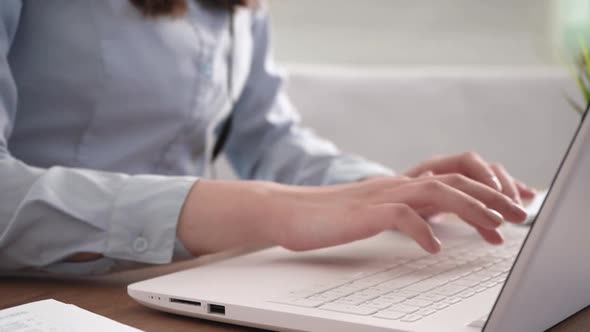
(107, 118)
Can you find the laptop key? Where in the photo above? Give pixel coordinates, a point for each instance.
(425, 285)
(408, 309)
(466, 282)
(489, 284)
(449, 290)
(370, 293)
(405, 293)
(425, 312)
(351, 300)
(466, 294)
(403, 281)
(452, 300)
(439, 305)
(389, 314)
(324, 297)
(376, 304)
(392, 298)
(430, 297)
(349, 309)
(346, 289)
(338, 293)
(417, 303)
(411, 318)
(480, 289)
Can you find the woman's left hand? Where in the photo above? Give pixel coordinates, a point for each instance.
(475, 167)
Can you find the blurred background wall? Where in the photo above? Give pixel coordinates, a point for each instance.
(414, 33)
(399, 81)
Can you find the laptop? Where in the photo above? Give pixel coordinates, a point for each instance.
(536, 279)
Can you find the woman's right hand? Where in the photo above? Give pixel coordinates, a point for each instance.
(220, 215)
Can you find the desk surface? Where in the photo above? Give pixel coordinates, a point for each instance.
(107, 296)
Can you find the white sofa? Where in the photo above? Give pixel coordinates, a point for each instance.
(398, 117)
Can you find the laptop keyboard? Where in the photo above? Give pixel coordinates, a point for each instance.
(413, 288)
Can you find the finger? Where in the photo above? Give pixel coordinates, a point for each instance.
(508, 185)
(473, 166)
(525, 191)
(407, 221)
(446, 198)
(492, 236)
(469, 164)
(489, 197)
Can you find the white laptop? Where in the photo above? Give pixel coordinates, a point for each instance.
(387, 283)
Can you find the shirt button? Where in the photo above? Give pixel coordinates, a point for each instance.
(140, 244)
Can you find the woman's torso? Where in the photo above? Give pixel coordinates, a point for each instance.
(102, 87)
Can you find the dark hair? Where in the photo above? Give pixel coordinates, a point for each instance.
(155, 8)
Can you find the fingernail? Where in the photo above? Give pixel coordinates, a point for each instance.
(497, 183)
(435, 245)
(496, 217)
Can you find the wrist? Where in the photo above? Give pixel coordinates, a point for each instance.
(220, 215)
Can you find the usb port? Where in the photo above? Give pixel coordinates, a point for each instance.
(216, 309)
(195, 303)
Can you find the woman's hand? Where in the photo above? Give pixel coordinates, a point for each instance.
(222, 214)
(473, 166)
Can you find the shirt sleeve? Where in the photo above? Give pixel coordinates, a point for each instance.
(268, 142)
(47, 215)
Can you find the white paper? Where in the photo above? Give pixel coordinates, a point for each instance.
(55, 316)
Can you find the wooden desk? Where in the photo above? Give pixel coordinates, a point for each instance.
(107, 296)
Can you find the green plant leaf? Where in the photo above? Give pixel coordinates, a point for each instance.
(580, 71)
(585, 57)
(583, 88)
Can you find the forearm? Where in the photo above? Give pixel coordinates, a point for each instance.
(218, 215)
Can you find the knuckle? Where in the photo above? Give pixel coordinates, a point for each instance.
(497, 165)
(471, 155)
(438, 157)
(402, 178)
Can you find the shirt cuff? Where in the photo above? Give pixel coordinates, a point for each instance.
(62, 269)
(352, 168)
(144, 219)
